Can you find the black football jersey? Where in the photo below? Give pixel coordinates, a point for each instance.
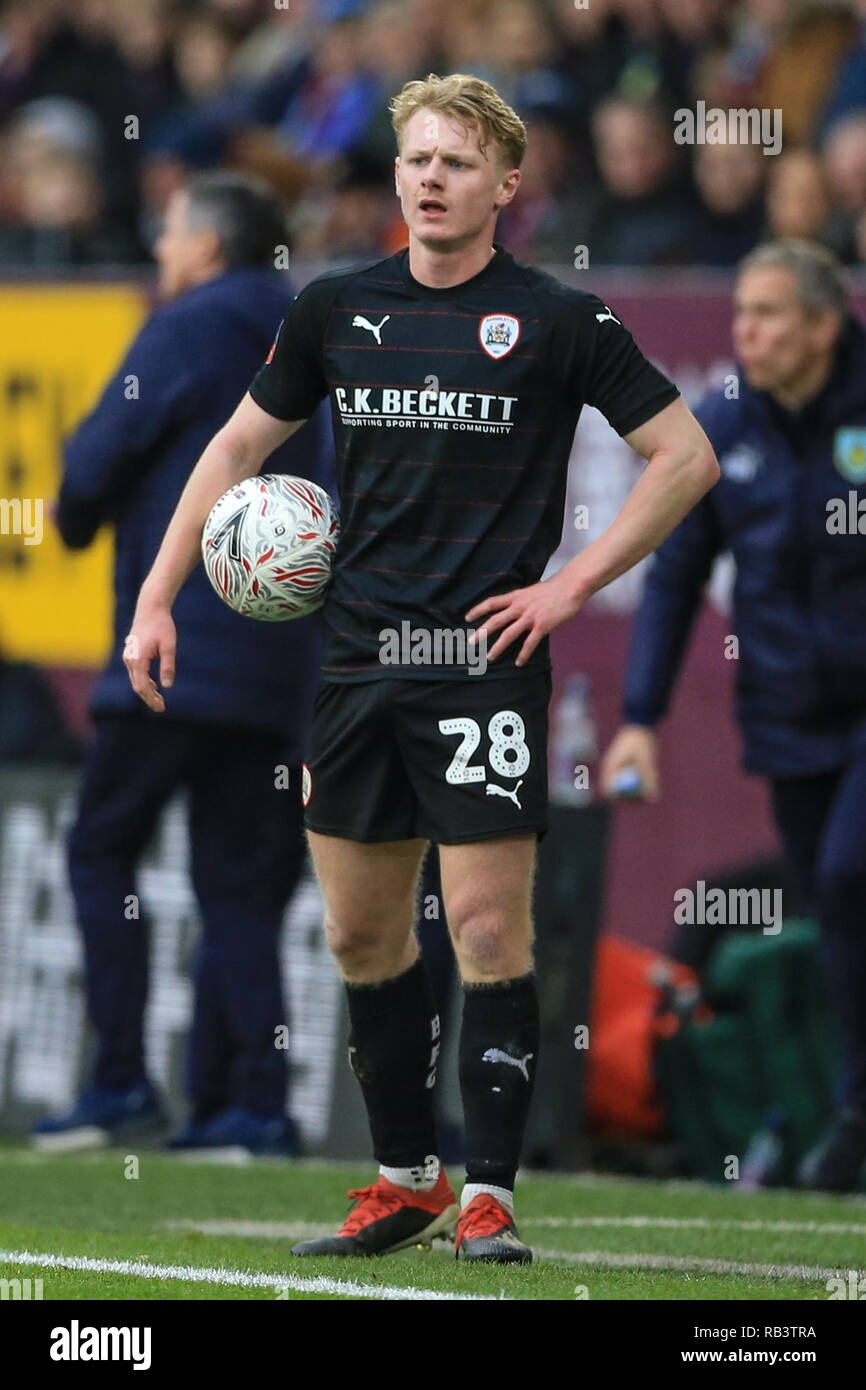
(454, 412)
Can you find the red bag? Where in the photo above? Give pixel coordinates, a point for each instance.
(621, 1093)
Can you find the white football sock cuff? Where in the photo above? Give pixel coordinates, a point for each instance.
(474, 1189)
(422, 1178)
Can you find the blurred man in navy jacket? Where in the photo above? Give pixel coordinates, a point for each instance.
(791, 507)
(239, 704)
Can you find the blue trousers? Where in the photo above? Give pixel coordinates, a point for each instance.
(247, 850)
(822, 821)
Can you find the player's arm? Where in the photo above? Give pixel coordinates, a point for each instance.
(236, 452)
(682, 467)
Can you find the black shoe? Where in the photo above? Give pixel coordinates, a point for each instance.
(387, 1218)
(836, 1163)
(486, 1231)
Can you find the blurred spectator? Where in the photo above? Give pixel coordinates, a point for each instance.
(694, 22)
(692, 26)
(465, 40)
(845, 161)
(523, 50)
(848, 92)
(730, 181)
(203, 51)
(300, 95)
(335, 101)
(645, 216)
(54, 125)
(593, 48)
(283, 37)
(643, 18)
(844, 155)
(50, 48)
(798, 204)
(550, 217)
(431, 20)
(290, 127)
(663, 42)
(145, 36)
(54, 189)
(395, 51)
(350, 223)
(785, 54)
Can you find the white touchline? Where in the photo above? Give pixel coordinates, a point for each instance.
(303, 1230)
(609, 1259)
(263, 1230)
(696, 1223)
(142, 1269)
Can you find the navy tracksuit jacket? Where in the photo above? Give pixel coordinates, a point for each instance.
(238, 708)
(800, 616)
(128, 463)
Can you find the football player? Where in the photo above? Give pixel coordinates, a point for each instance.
(456, 377)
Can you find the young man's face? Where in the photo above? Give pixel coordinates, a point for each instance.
(774, 338)
(450, 191)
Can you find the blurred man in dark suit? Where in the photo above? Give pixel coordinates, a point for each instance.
(791, 508)
(238, 706)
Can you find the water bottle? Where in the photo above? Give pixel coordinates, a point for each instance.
(574, 743)
(627, 785)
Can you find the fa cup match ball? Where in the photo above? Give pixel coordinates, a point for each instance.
(268, 545)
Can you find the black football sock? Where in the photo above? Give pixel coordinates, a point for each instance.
(498, 1055)
(393, 1050)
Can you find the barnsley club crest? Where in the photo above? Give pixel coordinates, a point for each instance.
(498, 334)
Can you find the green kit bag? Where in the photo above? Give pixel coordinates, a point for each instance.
(750, 1069)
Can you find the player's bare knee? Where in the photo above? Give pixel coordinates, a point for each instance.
(351, 943)
(364, 950)
(484, 942)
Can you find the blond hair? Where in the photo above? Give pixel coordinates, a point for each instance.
(471, 102)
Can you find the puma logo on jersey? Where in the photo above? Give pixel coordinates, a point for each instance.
(375, 328)
(493, 790)
(495, 1054)
(603, 318)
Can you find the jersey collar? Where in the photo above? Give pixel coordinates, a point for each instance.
(490, 271)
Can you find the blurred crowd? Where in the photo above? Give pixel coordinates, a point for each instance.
(106, 106)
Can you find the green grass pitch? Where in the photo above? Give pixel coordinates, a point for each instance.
(182, 1230)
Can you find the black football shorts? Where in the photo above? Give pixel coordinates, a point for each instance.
(450, 761)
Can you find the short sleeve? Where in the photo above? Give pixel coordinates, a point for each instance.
(621, 383)
(291, 383)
